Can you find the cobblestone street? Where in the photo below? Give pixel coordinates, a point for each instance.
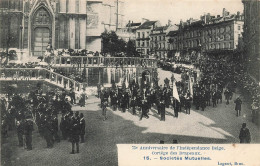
(214, 125)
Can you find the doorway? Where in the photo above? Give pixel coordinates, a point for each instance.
(41, 40)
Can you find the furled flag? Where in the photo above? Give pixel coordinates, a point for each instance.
(126, 83)
(191, 80)
(175, 92)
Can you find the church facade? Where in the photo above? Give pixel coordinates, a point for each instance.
(33, 24)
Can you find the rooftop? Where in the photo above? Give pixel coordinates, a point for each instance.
(147, 25)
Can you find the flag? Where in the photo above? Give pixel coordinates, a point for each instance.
(175, 92)
(126, 84)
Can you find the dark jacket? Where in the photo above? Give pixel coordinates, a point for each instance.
(238, 103)
(244, 135)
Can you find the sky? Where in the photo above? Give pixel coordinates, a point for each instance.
(175, 10)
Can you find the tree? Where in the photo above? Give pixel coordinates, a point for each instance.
(131, 49)
(112, 44)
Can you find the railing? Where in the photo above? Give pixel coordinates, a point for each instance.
(42, 74)
(104, 61)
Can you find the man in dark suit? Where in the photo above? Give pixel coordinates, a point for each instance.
(74, 134)
(176, 106)
(162, 106)
(144, 108)
(214, 98)
(28, 129)
(244, 134)
(238, 103)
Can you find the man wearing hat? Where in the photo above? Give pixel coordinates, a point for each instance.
(244, 134)
(145, 108)
(162, 110)
(74, 134)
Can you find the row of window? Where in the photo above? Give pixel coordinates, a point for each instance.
(159, 38)
(143, 34)
(218, 38)
(227, 45)
(142, 44)
(192, 34)
(160, 45)
(209, 39)
(161, 54)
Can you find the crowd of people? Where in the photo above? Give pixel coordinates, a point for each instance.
(23, 111)
(144, 98)
(218, 77)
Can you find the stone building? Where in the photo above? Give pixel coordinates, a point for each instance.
(32, 24)
(222, 33)
(158, 41)
(143, 36)
(128, 32)
(251, 36)
(209, 34)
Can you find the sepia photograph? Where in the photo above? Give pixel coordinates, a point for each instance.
(81, 78)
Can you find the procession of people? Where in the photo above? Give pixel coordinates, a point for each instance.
(51, 113)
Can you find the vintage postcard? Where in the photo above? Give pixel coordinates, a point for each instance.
(130, 82)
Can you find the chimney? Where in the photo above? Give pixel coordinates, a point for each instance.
(208, 18)
(224, 13)
(181, 23)
(169, 22)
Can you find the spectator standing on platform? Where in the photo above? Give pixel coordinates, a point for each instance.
(244, 134)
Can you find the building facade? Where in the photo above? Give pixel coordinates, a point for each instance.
(209, 34)
(32, 24)
(113, 14)
(251, 36)
(143, 36)
(222, 33)
(158, 41)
